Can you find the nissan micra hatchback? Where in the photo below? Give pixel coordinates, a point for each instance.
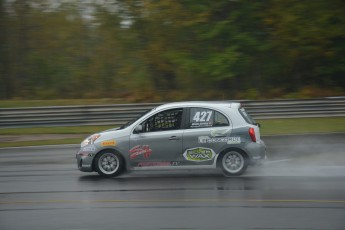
(184, 135)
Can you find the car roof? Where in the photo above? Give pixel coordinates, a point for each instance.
(213, 104)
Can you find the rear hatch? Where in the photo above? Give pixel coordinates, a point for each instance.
(253, 124)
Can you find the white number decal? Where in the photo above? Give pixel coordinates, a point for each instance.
(209, 115)
(196, 117)
(205, 116)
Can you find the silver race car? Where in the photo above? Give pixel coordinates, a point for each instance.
(184, 135)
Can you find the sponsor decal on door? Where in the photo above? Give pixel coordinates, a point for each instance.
(139, 150)
(199, 154)
(228, 140)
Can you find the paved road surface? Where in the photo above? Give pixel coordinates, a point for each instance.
(302, 186)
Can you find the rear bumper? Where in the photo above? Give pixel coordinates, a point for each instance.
(256, 152)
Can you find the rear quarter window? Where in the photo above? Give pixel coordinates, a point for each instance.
(246, 116)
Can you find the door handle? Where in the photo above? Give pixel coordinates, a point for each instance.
(173, 138)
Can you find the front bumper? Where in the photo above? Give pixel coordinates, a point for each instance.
(85, 160)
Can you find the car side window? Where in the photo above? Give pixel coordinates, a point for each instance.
(202, 118)
(220, 120)
(166, 120)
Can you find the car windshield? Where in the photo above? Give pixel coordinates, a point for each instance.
(247, 117)
(135, 119)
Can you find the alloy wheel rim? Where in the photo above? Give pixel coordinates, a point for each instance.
(233, 162)
(108, 163)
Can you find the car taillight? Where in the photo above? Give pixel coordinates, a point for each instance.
(252, 134)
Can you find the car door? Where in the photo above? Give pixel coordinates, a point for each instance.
(206, 133)
(160, 141)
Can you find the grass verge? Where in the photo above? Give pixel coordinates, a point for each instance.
(55, 130)
(302, 125)
(268, 127)
(41, 142)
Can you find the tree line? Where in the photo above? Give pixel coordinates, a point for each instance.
(146, 50)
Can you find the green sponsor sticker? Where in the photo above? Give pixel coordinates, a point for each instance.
(199, 154)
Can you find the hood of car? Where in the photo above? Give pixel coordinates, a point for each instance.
(110, 130)
(112, 134)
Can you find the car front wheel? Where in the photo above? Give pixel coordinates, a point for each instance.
(233, 163)
(109, 164)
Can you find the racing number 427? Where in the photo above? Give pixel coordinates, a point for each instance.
(202, 116)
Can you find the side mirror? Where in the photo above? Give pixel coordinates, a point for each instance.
(138, 129)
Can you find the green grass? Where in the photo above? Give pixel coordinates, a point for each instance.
(43, 142)
(60, 102)
(55, 130)
(302, 125)
(268, 127)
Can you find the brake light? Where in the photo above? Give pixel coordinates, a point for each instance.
(252, 134)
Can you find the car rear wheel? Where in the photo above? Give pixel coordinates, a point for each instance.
(109, 163)
(233, 163)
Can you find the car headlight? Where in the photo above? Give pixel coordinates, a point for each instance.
(90, 140)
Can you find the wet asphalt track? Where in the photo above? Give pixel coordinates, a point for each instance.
(302, 186)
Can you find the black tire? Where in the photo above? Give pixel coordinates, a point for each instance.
(233, 163)
(109, 163)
